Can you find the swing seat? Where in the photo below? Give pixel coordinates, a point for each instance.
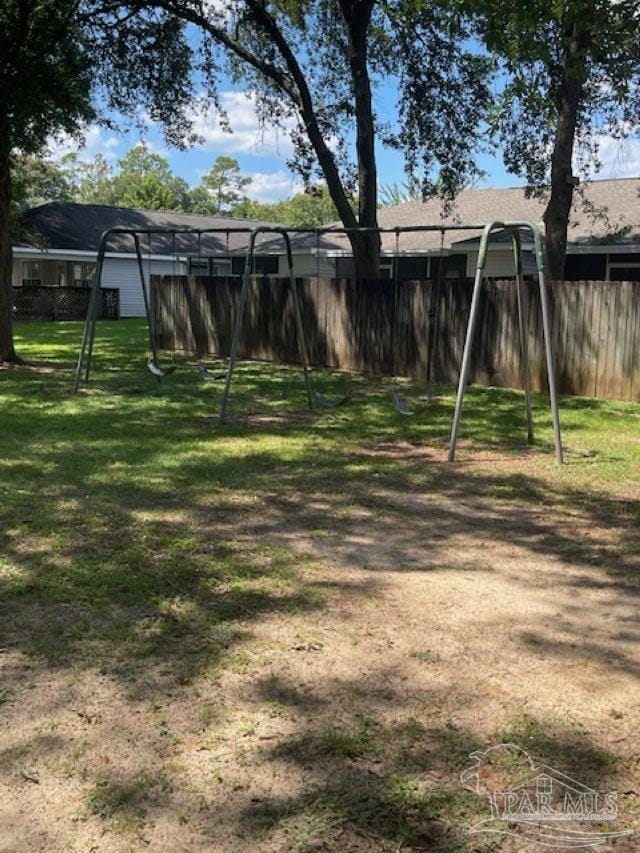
(206, 374)
(400, 405)
(403, 408)
(156, 370)
(330, 404)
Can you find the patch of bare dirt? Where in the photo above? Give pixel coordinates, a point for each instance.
(452, 618)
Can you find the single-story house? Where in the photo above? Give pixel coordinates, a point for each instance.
(603, 238)
(61, 242)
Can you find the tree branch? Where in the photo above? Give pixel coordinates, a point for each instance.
(292, 82)
(188, 13)
(307, 112)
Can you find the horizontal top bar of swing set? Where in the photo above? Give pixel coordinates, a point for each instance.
(276, 229)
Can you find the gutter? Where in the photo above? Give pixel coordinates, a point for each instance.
(71, 254)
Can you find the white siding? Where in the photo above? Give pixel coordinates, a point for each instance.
(307, 265)
(123, 274)
(500, 263)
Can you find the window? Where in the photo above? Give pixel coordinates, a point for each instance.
(448, 267)
(386, 267)
(83, 274)
(412, 268)
(31, 273)
(221, 266)
(585, 267)
(455, 266)
(262, 265)
(210, 266)
(624, 272)
(199, 266)
(345, 268)
(545, 784)
(266, 264)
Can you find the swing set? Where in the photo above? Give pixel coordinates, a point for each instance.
(315, 397)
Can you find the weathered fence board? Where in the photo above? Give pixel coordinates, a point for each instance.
(353, 326)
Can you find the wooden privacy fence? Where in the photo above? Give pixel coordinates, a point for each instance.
(39, 302)
(350, 325)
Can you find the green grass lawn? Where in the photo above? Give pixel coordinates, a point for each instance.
(120, 512)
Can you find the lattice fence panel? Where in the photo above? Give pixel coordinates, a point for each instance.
(62, 303)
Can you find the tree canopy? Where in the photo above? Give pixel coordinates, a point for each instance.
(64, 63)
(308, 209)
(314, 69)
(224, 185)
(571, 74)
(144, 179)
(317, 70)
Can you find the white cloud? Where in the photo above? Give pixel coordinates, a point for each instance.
(273, 186)
(248, 135)
(96, 141)
(153, 147)
(220, 9)
(620, 158)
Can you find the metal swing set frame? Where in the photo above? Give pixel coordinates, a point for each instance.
(314, 395)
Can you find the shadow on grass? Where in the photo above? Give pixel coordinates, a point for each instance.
(370, 782)
(141, 539)
(133, 531)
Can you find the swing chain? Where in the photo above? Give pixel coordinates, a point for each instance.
(174, 255)
(435, 319)
(396, 302)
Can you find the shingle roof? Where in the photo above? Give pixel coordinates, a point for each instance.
(62, 225)
(605, 211)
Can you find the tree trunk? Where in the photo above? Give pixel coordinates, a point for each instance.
(558, 210)
(366, 247)
(357, 15)
(7, 352)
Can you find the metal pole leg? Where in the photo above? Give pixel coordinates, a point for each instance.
(92, 335)
(145, 297)
(246, 281)
(551, 378)
(92, 313)
(85, 340)
(523, 333)
(302, 343)
(473, 315)
(466, 359)
(151, 329)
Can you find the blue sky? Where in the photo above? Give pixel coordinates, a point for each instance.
(262, 152)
